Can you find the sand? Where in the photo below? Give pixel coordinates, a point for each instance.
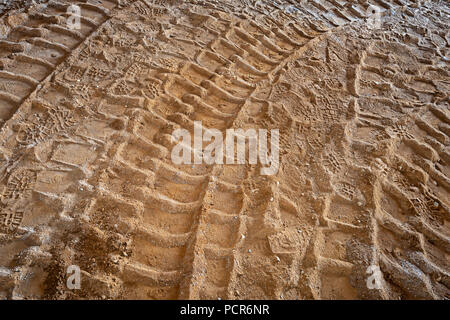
(87, 178)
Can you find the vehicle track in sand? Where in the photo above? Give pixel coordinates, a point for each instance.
(86, 145)
(385, 187)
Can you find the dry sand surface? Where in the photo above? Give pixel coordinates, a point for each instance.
(86, 119)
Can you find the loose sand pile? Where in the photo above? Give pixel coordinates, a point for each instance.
(364, 169)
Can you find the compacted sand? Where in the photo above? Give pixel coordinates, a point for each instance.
(87, 179)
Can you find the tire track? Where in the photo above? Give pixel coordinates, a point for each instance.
(187, 91)
(183, 230)
(348, 234)
(33, 50)
(234, 49)
(412, 183)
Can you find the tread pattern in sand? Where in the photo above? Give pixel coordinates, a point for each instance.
(86, 145)
(34, 48)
